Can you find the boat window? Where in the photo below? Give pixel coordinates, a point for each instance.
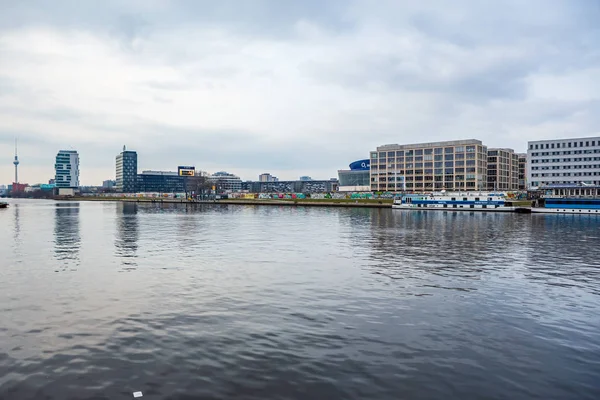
(454, 199)
(476, 198)
(464, 199)
(484, 206)
(489, 198)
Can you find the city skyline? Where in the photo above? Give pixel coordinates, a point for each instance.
(290, 88)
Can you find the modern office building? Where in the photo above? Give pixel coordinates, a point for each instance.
(108, 184)
(426, 167)
(66, 169)
(522, 171)
(563, 162)
(502, 170)
(357, 178)
(225, 182)
(126, 171)
(160, 182)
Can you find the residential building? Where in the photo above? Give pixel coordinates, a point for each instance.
(563, 162)
(502, 170)
(522, 171)
(266, 177)
(357, 178)
(426, 167)
(160, 182)
(225, 182)
(66, 169)
(126, 171)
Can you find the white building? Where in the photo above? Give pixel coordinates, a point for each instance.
(225, 182)
(67, 169)
(563, 161)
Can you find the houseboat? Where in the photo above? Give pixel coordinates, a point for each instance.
(568, 199)
(459, 201)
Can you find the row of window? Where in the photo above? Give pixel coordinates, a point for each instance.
(587, 143)
(420, 152)
(557, 160)
(567, 174)
(559, 167)
(565, 153)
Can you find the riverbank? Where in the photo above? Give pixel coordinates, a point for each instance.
(361, 203)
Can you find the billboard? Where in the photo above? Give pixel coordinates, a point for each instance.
(186, 171)
(361, 165)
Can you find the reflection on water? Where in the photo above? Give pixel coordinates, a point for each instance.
(297, 303)
(67, 240)
(126, 238)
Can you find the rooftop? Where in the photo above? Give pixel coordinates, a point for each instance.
(431, 144)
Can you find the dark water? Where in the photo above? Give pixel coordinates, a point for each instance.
(99, 300)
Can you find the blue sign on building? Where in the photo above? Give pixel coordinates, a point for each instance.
(361, 165)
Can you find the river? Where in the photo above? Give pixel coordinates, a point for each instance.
(100, 300)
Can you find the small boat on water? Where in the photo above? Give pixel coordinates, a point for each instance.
(568, 199)
(459, 201)
(3, 204)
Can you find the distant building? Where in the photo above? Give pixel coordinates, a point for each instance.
(305, 178)
(160, 182)
(67, 169)
(266, 177)
(426, 167)
(225, 182)
(313, 186)
(51, 181)
(502, 170)
(522, 171)
(126, 171)
(563, 162)
(109, 184)
(357, 178)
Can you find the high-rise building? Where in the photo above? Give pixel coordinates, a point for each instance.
(126, 171)
(563, 161)
(522, 171)
(66, 169)
(502, 170)
(426, 167)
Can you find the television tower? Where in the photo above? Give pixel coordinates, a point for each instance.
(16, 162)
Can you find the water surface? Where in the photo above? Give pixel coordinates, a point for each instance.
(99, 300)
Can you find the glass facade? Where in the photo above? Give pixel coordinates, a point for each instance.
(66, 169)
(354, 178)
(160, 182)
(126, 172)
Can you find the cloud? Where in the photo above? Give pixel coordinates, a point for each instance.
(288, 88)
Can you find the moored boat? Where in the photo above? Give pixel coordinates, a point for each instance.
(459, 201)
(568, 199)
(3, 204)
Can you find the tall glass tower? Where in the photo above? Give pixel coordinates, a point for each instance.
(126, 171)
(67, 169)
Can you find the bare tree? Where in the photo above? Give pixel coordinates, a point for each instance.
(198, 185)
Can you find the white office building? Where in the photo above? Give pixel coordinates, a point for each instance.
(563, 161)
(67, 169)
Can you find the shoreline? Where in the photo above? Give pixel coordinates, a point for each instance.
(266, 202)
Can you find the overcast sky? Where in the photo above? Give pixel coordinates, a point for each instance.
(287, 87)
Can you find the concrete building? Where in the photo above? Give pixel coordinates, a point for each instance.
(266, 177)
(522, 171)
(66, 169)
(502, 170)
(563, 161)
(225, 182)
(426, 167)
(313, 186)
(126, 171)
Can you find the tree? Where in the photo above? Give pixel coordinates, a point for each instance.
(198, 185)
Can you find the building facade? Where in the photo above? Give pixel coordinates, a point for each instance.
(503, 170)
(522, 171)
(426, 167)
(357, 178)
(225, 182)
(160, 182)
(306, 187)
(126, 171)
(266, 177)
(563, 162)
(66, 169)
